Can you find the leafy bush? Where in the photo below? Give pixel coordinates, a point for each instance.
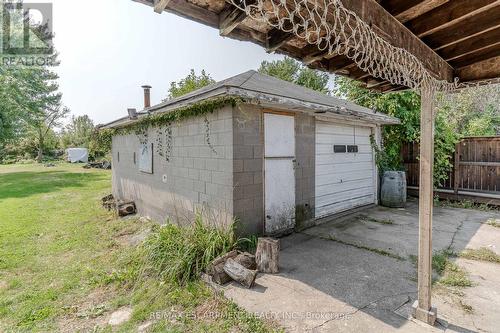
(179, 254)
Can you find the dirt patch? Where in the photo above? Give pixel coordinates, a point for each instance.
(209, 309)
(3, 285)
(133, 239)
(88, 314)
(120, 316)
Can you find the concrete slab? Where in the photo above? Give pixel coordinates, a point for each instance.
(326, 285)
(478, 308)
(455, 227)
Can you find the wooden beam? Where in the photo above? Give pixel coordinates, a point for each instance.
(339, 62)
(420, 9)
(344, 68)
(422, 309)
(313, 57)
(385, 25)
(396, 7)
(374, 83)
(399, 36)
(388, 87)
(471, 45)
(477, 56)
(487, 69)
(450, 13)
(189, 11)
(311, 54)
(229, 19)
(276, 38)
(465, 29)
(160, 5)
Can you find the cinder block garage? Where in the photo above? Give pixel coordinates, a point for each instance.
(267, 153)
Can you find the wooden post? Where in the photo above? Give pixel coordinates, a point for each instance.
(422, 309)
(456, 167)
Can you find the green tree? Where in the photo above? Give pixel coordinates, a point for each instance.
(78, 132)
(473, 111)
(291, 70)
(190, 83)
(29, 98)
(100, 144)
(47, 110)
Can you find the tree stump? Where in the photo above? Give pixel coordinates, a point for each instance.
(247, 260)
(216, 268)
(239, 273)
(267, 255)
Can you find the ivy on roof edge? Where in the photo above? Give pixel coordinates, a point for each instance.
(197, 109)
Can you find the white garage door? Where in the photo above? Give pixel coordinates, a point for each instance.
(345, 178)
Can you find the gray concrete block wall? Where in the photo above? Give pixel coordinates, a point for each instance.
(248, 153)
(230, 181)
(248, 139)
(305, 150)
(197, 177)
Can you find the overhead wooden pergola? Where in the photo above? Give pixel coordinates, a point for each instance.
(453, 39)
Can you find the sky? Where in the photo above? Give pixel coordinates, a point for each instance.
(109, 48)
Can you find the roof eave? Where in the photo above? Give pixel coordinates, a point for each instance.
(291, 104)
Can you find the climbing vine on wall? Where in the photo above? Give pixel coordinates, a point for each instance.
(207, 135)
(142, 134)
(163, 121)
(169, 143)
(159, 141)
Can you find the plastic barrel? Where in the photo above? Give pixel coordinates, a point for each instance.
(393, 189)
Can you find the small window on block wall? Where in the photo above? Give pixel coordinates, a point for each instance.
(118, 156)
(146, 157)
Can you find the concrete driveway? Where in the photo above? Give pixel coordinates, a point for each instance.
(355, 274)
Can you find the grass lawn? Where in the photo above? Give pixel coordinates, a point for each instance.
(66, 264)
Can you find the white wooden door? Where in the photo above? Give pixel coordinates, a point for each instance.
(279, 173)
(344, 179)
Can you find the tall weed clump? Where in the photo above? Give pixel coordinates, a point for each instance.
(180, 253)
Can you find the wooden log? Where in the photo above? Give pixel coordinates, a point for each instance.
(216, 268)
(247, 260)
(126, 208)
(239, 273)
(267, 255)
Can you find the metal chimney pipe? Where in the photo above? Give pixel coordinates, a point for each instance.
(147, 96)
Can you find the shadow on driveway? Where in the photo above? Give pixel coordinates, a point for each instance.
(327, 285)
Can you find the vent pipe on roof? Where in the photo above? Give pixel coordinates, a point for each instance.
(132, 113)
(147, 96)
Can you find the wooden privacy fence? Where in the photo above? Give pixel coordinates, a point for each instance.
(475, 174)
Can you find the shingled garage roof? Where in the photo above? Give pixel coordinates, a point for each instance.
(270, 92)
(453, 38)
